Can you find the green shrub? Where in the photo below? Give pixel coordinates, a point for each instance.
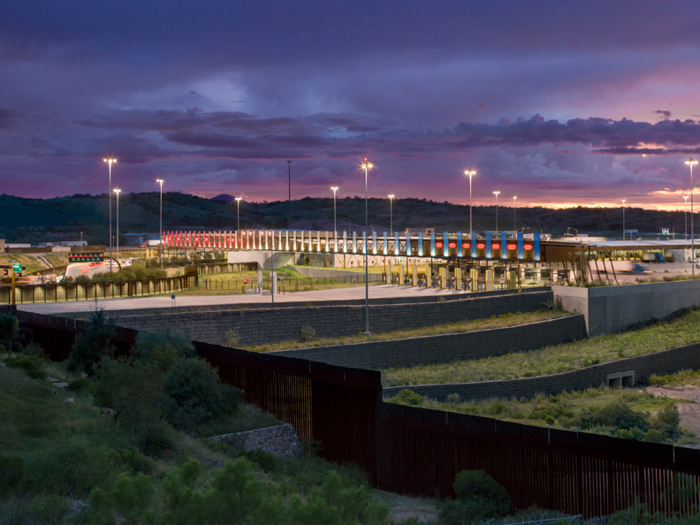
(194, 395)
(136, 461)
(408, 397)
(265, 460)
(32, 365)
(233, 337)
(668, 421)
(93, 345)
(479, 497)
(616, 414)
(163, 348)
(307, 333)
(34, 349)
(42, 509)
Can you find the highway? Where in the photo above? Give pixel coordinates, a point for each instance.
(164, 301)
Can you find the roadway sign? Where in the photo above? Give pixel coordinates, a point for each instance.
(85, 257)
(17, 267)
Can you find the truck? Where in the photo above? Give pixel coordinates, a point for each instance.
(653, 257)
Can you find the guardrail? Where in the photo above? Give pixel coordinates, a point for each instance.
(50, 293)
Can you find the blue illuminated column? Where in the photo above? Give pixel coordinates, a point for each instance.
(364, 242)
(408, 244)
(473, 242)
(488, 245)
(432, 244)
(374, 243)
(302, 241)
(459, 244)
(386, 244)
(345, 242)
(286, 234)
(327, 245)
(537, 246)
(396, 243)
(318, 241)
(446, 244)
(354, 242)
(504, 245)
(521, 250)
(420, 244)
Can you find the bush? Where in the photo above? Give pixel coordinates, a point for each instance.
(133, 391)
(479, 497)
(408, 397)
(616, 414)
(34, 349)
(163, 348)
(307, 333)
(233, 338)
(193, 394)
(79, 385)
(32, 365)
(668, 421)
(93, 345)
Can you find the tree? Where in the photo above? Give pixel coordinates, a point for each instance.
(93, 345)
(162, 348)
(9, 326)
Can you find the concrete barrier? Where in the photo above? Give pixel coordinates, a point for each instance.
(640, 367)
(446, 348)
(609, 309)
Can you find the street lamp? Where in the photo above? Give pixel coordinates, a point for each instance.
(238, 213)
(470, 173)
(692, 162)
(514, 199)
(117, 191)
(335, 224)
(391, 214)
(161, 181)
(366, 166)
(496, 193)
(110, 161)
(623, 218)
(685, 197)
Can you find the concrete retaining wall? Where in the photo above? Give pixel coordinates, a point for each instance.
(666, 362)
(608, 309)
(260, 326)
(446, 348)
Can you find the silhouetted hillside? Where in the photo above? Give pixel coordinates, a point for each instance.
(35, 220)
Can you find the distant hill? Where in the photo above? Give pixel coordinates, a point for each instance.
(39, 220)
(224, 197)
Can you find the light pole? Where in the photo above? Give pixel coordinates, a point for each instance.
(623, 218)
(366, 166)
(238, 213)
(470, 173)
(514, 199)
(685, 209)
(391, 214)
(110, 161)
(161, 181)
(117, 191)
(692, 162)
(335, 224)
(289, 220)
(496, 193)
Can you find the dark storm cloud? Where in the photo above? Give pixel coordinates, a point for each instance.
(7, 117)
(424, 88)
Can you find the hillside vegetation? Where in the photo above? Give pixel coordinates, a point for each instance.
(34, 220)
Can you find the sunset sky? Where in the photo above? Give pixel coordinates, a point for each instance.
(558, 102)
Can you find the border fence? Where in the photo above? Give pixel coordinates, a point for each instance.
(417, 451)
(50, 293)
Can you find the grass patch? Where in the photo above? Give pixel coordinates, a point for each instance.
(30, 263)
(501, 321)
(678, 330)
(609, 411)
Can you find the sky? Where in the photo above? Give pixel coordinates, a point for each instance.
(557, 102)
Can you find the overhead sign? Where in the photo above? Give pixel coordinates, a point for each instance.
(85, 257)
(17, 267)
(665, 231)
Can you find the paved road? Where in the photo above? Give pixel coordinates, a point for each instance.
(164, 301)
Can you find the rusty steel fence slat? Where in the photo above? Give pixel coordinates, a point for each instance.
(417, 451)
